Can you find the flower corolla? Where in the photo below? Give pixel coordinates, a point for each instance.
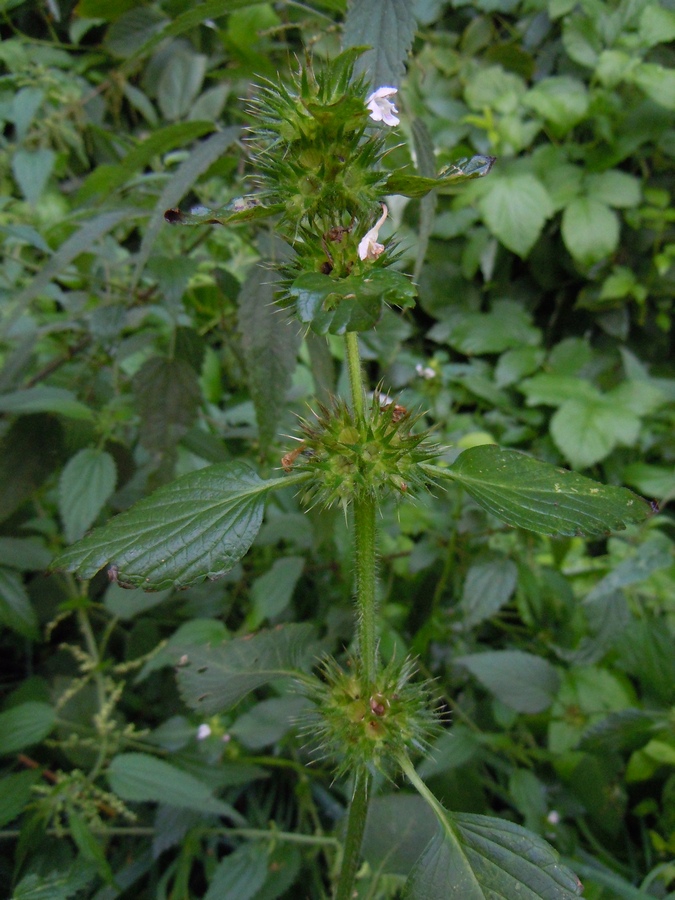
(203, 732)
(368, 245)
(381, 107)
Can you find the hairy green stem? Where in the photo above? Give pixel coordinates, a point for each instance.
(355, 373)
(364, 510)
(356, 824)
(364, 563)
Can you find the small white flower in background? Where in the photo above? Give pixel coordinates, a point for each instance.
(381, 107)
(425, 371)
(368, 245)
(553, 817)
(203, 732)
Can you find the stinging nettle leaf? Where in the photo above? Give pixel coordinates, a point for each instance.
(387, 26)
(270, 345)
(195, 528)
(527, 493)
(85, 485)
(214, 678)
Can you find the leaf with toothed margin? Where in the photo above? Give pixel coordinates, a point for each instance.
(530, 494)
(214, 678)
(195, 528)
(243, 209)
(338, 305)
(454, 174)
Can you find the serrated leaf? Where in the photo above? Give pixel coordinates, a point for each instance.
(489, 585)
(167, 395)
(465, 169)
(45, 399)
(25, 725)
(86, 483)
(522, 681)
(195, 528)
(515, 209)
(55, 885)
(141, 778)
(214, 678)
(506, 325)
(387, 26)
(485, 858)
(527, 493)
(30, 450)
(337, 306)
(16, 609)
(270, 345)
(590, 230)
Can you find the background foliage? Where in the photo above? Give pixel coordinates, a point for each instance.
(133, 352)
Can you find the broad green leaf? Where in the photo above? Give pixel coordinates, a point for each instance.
(25, 725)
(24, 464)
(24, 554)
(506, 325)
(15, 793)
(654, 481)
(657, 24)
(398, 828)
(522, 681)
(590, 230)
(485, 858)
(31, 170)
(25, 104)
(125, 604)
(489, 585)
(465, 169)
(272, 592)
(514, 365)
(388, 27)
(240, 875)
(268, 721)
(55, 885)
(16, 609)
(270, 345)
(657, 82)
(615, 188)
(354, 303)
(515, 209)
(133, 30)
(86, 483)
(195, 528)
(167, 396)
(527, 493)
(141, 778)
(45, 399)
(554, 390)
(587, 429)
(214, 678)
(181, 181)
(180, 82)
(656, 553)
(560, 100)
(592, 692)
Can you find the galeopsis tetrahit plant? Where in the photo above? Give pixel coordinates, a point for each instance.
(318, 149)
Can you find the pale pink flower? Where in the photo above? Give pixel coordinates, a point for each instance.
(368, 245)
(203, 732)
(381, 107)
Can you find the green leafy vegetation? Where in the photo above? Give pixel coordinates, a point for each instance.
(438, 335)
